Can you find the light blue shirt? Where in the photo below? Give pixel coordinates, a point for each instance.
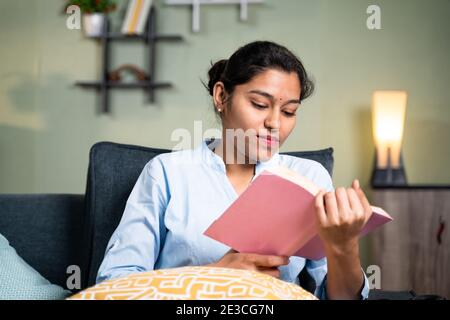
(176, 198)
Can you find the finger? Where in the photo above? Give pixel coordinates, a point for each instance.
(269, 260)
(320, 208)
(331, 208)
(274, 272)
(365, 203)
(355, 203)
(355, 184)
(342, 203)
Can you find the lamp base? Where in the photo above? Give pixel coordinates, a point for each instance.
(388, 177)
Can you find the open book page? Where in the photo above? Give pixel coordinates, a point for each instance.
(308, 185)
(296, 178)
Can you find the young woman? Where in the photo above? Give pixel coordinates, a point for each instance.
(257, 91)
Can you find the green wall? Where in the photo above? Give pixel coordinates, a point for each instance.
(47, 125)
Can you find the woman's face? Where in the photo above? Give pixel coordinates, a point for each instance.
(260, 114)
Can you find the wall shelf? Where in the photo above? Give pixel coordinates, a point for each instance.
(123, 85)
(124, 37)
(150, 37)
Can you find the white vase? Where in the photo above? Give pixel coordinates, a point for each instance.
(93, 24)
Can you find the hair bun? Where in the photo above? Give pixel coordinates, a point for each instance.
(215, 74)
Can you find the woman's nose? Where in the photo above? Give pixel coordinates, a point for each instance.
(273, 120)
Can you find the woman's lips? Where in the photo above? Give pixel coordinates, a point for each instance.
(269, 141)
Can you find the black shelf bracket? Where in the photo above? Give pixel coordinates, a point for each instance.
(150, 37)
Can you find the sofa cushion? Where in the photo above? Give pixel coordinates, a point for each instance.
(19, 281)
(113, 171)
(195, 283)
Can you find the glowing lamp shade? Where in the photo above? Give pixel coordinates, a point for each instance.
(388, 117)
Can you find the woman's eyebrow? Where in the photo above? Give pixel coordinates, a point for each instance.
(271, 97)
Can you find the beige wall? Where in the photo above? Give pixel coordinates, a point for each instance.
(47, 125)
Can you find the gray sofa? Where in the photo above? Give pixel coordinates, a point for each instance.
(53, 231)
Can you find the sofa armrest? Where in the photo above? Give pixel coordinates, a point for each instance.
(46, 230)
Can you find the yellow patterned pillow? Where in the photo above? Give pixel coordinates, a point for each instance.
(191, 283)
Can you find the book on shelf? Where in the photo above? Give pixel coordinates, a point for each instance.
(136, 17)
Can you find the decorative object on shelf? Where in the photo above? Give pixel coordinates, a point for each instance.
(94, 14)
(197, 3)
(137, 15)
(93, 24)
(388, 116)
(150, 37)
(116, 75)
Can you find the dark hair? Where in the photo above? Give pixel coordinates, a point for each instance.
(254, 58)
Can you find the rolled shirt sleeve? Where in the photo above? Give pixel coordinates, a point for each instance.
(317, 269)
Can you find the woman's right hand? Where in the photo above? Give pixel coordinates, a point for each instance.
(267, 264)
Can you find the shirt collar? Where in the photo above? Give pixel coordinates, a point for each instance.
(216, 162)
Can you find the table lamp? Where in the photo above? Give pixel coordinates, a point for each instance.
(388, 116)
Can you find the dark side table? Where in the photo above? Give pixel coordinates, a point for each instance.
(413, 251)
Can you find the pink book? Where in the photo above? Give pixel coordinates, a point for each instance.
(275, 215)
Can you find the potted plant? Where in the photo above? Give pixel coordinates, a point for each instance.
(94, 14)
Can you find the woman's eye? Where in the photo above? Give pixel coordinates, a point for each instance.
(259, 106)
(289, 114)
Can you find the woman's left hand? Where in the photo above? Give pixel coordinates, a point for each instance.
(341, 216)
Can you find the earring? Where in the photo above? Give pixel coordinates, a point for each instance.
(220, 110)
